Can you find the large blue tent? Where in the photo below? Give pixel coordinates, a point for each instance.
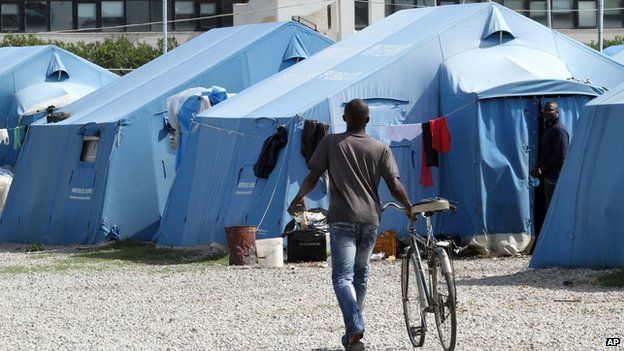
(106, 171)
(583, 227)
(484, 66)
(35, 77)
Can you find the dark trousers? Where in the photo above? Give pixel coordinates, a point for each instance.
(549, 189)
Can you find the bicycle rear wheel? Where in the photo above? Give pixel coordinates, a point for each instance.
(414, 317)
(443, 293)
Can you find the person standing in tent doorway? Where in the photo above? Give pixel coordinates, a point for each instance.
(555, 142)
(356, 162)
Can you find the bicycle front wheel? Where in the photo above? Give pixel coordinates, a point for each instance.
(443, 293)
(414, 316)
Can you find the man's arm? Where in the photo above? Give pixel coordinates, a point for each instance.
(398, 192)
(309, 182)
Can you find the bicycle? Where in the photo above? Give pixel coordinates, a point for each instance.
(437, 294)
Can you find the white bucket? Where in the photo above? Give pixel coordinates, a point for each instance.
(270, 252)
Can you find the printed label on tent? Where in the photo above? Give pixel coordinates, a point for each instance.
(81, 194)
(339, 53)
(384, 50)
(246, 181)
(295, 77)
(245, 188)
(341, 76)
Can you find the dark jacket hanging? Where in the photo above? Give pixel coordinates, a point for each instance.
(270, 152)
(431, 155)
(313, 133)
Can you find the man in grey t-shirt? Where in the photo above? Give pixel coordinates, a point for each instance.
(356, 163)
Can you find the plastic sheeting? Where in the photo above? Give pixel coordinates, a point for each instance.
(35, 75)
(120, 191)
(583, 227)
(181, 109)
(405, 79)
(6, 178)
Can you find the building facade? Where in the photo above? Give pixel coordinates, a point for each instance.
(335, 18)
(36, 16)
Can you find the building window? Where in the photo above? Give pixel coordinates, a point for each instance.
(208, 9)
(184, 9)
(329, 17)
(10, 17)
(587, 14)
(537, 12)
(137, 11)
(393, 6)
(516, 5)
(61, 15)
(612, 18)
(112, 15)
(562, 16)
(36, 16)
(361, 15)
(87, 15)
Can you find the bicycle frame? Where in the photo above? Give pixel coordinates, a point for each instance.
(430, 244)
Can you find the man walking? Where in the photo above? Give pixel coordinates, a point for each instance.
(555, 142)
(356, 162)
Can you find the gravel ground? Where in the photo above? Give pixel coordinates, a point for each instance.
(46, 304)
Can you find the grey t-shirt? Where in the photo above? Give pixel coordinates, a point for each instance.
(356, 163)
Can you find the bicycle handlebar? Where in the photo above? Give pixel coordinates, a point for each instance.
(392, 204)
(452, 206)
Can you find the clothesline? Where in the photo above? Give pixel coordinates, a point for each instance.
(229, 131)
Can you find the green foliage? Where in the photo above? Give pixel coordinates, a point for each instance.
(617, 40)
(36, 247)
(611, 280)
(115, 53)
(150, 253)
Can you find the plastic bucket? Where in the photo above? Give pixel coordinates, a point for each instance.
(241, 242)
(270, 252)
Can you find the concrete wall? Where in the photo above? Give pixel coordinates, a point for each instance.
(259, 11)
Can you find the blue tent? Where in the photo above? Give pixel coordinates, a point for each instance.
(614, 51)
(106, 171)
(33, 78)
(483, 65)
(583, 227)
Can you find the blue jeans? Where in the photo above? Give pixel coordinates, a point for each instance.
(351, 246)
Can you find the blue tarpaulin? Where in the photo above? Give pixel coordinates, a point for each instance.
(35, 77)
(106, 171)
(583, 227)
(484, 66)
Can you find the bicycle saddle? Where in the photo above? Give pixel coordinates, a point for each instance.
(436, 204)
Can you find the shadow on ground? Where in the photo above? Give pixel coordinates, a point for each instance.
(554, 278)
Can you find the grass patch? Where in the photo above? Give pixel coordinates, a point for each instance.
(149, 253)
(36, 247)
(611, 280)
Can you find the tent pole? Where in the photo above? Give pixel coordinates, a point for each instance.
(164, 26)
(600, 24)
(549, 13)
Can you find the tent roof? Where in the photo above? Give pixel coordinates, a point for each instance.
(438, 34)
(13, 58)
(527, 72)
(33, 96)
(163, 74)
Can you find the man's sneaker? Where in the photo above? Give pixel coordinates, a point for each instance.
(354, 342)
(356, 346)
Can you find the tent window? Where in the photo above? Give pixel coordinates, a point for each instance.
(89, 149)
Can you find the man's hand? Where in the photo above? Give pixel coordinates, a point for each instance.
(296, 206)
(537, 171)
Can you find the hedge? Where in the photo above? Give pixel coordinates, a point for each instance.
(116, 53)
